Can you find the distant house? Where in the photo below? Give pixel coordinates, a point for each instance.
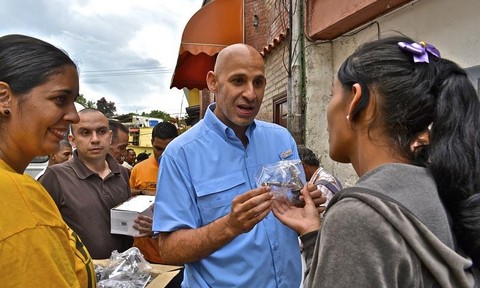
(140, 131)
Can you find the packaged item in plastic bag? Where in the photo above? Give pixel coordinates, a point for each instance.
(286, 178)
(126, 270)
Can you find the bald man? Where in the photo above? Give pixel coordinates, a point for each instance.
(208, 211)
(88, 186)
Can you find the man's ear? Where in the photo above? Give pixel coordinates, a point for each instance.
(212, 81)
(5, 95)
(71, 139)
(356, 92)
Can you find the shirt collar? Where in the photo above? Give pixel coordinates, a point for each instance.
(82, 170)
(220, 128)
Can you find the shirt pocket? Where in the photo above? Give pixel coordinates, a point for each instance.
(215, 196)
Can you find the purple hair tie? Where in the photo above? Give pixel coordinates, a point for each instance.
(419, 50)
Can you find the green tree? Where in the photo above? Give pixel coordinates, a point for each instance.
(86, 103)
(158, 114)
(106, 107)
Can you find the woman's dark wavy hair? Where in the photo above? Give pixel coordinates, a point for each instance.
(411, 97)
(27, 62)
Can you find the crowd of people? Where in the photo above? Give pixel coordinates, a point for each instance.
(406, 119)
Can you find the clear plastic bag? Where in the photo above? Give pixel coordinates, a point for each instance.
(286, 178)
(125, 270)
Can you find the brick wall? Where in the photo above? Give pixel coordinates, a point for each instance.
(267, 37)
(278, 18)
(265, 21)
(276, 74)
(255, 24)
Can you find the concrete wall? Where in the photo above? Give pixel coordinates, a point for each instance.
(449, 25)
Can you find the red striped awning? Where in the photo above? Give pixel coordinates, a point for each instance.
(216, 25)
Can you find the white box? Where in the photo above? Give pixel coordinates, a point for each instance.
(122, 216)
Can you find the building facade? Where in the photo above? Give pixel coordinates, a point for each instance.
(305, 41)
(449, 25)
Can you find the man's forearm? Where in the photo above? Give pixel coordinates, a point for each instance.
(190, 245)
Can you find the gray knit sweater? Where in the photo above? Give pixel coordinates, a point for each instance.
(366, 241)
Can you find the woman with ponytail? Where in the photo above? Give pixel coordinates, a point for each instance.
(408, 121)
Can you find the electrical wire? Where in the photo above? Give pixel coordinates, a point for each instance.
(124, 72)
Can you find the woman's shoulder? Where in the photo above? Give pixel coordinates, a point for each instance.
(25, 204)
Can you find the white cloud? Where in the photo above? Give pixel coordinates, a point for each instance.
(113, 35)
(93, 7)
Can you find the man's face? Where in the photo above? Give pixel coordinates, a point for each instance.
(239, 88)
(61, 155)
(131, 156)
(119, 148)
(159, 146)
(92, 136)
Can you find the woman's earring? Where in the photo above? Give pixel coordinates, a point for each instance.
(348, 117)
(6, 112)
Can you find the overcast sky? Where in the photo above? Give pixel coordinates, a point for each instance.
(126, 50)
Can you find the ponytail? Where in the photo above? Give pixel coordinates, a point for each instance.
(454, 154)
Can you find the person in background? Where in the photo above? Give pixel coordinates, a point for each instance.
(412, 218)
(142, 156)
(88, 186)
(130, 159)
(209, 212)
(315, 174)
(38, 86)
(143, 181)
(118, 147)
(63, 153)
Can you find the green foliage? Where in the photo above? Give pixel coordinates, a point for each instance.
(81, 99)
(158, 114)
(106, 107)
(86, 103)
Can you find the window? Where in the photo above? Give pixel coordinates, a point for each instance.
(280, 111)
(135, 136)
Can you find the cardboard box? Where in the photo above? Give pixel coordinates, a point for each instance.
(162, 274)
(122, 216)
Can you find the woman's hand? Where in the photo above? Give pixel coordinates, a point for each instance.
(301, 219)
(317, 196)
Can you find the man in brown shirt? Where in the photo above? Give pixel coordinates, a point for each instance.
(86, 187)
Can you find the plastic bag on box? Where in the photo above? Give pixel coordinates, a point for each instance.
(286, 178)
(126, 270)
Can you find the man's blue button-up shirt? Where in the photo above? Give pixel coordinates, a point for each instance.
(201, 172)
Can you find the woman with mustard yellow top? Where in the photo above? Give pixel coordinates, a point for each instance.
(38, 87)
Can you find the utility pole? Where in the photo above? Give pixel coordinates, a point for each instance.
(296, 73)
